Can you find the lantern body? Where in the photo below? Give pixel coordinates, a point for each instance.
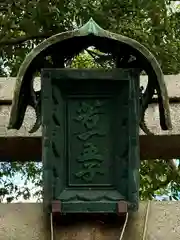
(90, 125)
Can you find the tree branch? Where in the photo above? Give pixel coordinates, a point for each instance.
(22, 39)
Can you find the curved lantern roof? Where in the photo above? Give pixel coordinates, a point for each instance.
(91, 28)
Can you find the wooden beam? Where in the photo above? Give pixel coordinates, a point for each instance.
(5, 102)
(20, 149)
(159, 147)
(29, 148)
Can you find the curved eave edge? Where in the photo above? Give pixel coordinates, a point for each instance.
(93, 29)
(160, 76)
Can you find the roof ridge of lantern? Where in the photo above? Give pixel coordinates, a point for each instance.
(91, 27)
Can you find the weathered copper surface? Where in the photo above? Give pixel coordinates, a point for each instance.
(89, 34)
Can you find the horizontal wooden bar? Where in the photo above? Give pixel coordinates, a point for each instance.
(29, 148)
(20, 149)
(5, 102)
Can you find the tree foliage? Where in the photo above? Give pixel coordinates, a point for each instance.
(23, 24)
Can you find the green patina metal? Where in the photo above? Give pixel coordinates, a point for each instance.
(91, 139)
(90, 118)
(35, 61)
